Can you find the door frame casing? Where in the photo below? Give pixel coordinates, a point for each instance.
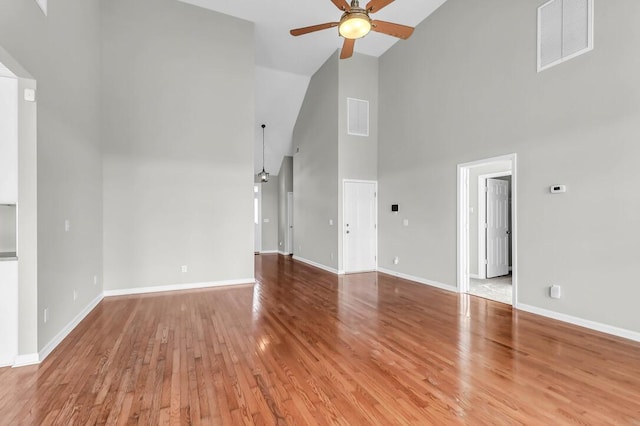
(482, 217)
(463, 221)
(344, 215)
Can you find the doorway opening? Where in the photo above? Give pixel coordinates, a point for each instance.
(487, 229)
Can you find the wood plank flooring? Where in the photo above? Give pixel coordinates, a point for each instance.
(306, 347)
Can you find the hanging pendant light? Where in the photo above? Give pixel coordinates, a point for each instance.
(263, 176)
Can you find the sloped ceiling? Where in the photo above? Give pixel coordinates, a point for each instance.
(284, 64)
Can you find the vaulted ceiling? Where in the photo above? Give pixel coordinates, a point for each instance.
(285, 64)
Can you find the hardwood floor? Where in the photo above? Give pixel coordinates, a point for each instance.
(307, 347)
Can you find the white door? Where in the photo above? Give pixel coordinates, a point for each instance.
(257, 214)
(360, 234)
(289, 247)
(497, 228)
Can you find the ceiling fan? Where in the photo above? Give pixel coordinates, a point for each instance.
(355, 23)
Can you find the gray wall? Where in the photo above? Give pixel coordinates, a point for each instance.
(178, 129)
(465, 87)
(315, 169)
(358, 155)
(69, 174)
(270, 214)
(285, 185)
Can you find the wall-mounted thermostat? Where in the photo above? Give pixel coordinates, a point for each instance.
(557, 189)
(394, 207)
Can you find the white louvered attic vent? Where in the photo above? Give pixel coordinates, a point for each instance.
(357, 117)
(565, 30)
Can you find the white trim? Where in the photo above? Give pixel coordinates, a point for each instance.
(482, 219)
(284, 253)
(463, 221)
(24, 360)
(475, 276)
(419, 280)
(344, 251)
(53, 343)
(592, 325)
(317, 265)
(177, 287)
(269, 252)
(573, 55)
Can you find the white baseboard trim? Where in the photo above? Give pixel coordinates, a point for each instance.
(475, 276)
(269, 252)
(24, 360)
(419, 280)
(44, 353)
(284, 253)
(593, 325)
(317, 265)
(177, 287)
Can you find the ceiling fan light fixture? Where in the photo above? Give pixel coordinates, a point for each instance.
(354, 25)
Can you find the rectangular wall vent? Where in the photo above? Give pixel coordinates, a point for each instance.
(357, 117)
(565, 30)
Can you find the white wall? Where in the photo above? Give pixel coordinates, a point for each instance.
(8, 312)
(8, 140)
(464, 88)
(178, 127)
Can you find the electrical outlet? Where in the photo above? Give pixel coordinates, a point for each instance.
(75, 295)
(45, 316)
(184, 268)
(396, 260)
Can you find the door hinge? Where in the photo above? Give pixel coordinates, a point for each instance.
(486, 226)
(486, 262)
(486, 189)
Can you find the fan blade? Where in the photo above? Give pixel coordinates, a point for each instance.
(375, 5)
(347, 48)
(307, 30)
(395, 30)
(343, 5)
